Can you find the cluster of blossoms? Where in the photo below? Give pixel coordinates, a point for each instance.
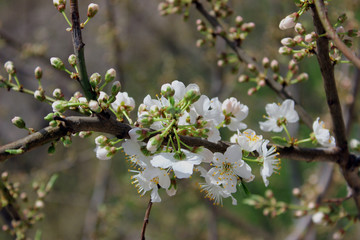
(160, 156)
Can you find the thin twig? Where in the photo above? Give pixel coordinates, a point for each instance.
(146, 220)
(333, 35)
(79, 51)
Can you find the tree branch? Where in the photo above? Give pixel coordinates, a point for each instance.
(243, 57)
(79, 51)
(349, 171)
(333, 35)
(120, 130)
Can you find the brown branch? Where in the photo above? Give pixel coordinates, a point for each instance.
(109, 125)
(349, 171)
(333, 35)
(244, 57)
(146, 220)
(79, 51)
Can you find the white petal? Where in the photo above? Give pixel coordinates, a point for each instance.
(163, 160)
(183, 169)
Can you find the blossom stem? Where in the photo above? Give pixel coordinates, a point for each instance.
(66, 18)
(287, 132)
(127, 116)
(25, 90)
(177, 139)
(304, 140)
(168, 128)
(17, 80)
(87, 20)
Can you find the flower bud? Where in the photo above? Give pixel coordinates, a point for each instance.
(18, 122)
(200, 42)
(289, 21)
(266, 62)
(285, 50)
(39, 95)
(302, 77)
(239, 20)
(251, 67)
(298, 56)
(94, 106)
(72, 60)
(10, 68)
(274, 65)
(85, 134)
(59, 106)
(299, 28)
(247, 27)
(101, 140)
(192, 95)
(154, 143)
(95, 80)
(292, 65)
(110, 75)
(288, 42)
(60, 5)
(38, 73)
(57, 63)
(243, 78)
(115, 88)
(92, 10)
(251, 91)
(57, 93)
(167, 90)
(39, 204)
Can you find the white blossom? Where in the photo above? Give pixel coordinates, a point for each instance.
(182, 168)
(247, 140)
(123, 101)
(322, 134)
(229, 166)
(278, 115)
(270, 162)
(237, 112)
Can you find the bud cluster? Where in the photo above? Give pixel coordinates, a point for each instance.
(22, 211)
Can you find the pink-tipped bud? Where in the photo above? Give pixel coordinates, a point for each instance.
(289, 21)
(251, 91)
(243, 78)
(251, 67)
(92, 10)
(266, 62)
(274, 65)
(38, 73)
(288, 42)
(299, 28)
(285, 50)
(60, 5)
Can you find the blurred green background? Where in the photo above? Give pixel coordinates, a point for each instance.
(94, 199)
